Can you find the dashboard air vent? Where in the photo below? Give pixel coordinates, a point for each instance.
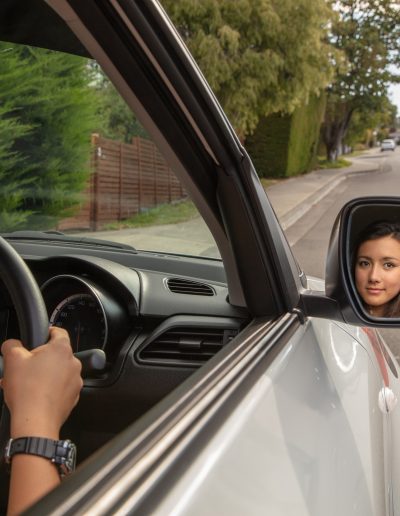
(195, 288)
(185, 346)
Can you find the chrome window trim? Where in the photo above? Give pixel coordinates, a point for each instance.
(124, 476)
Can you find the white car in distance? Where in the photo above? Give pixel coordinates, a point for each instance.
(388, 144)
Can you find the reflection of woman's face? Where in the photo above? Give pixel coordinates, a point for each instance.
(377, 273)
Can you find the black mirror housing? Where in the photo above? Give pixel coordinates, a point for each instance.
(339, 273)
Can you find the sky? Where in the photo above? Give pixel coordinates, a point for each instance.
(394, 95)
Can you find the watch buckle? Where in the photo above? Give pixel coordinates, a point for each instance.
(7, 450)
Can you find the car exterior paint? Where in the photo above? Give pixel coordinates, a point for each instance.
(388, 144)
(308, 439)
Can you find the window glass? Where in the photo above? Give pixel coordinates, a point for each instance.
(74, 159)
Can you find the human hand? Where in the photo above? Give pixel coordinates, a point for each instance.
(41, 386)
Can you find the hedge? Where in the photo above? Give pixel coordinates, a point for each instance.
(286, 145)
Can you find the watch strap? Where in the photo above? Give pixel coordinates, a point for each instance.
(39, 446)
(61, 453)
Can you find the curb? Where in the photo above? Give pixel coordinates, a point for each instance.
(298, 211)
(292, 216)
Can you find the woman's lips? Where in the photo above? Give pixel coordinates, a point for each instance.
(375, 291)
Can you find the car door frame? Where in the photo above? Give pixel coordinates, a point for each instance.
(144, 56)
(148, 63)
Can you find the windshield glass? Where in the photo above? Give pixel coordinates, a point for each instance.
(75, 159)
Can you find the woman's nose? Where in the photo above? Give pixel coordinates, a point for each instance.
(374, 275)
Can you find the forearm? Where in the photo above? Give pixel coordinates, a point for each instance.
(31, 478)
(40, 389)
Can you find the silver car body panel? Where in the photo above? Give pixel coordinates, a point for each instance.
(309, 438)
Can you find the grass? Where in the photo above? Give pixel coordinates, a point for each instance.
(163, 214)
(266, 182)
(339, 163)
(355, 153)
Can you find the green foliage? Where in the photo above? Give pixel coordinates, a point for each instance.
(367, 34)
(46, 116)
(368, 126)
(259, 56)
(304, 136)
(11, 191)
(286, 145)
(116, 119)
(268, 145)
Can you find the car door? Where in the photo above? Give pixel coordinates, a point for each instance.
(285, 421)
(307, 439)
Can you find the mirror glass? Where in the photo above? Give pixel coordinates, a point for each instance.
(373, 253)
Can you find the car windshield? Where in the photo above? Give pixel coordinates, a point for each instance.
(75, 160)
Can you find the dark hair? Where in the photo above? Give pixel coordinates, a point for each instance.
(380, 229)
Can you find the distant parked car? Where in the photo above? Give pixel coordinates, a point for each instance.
(388, 144)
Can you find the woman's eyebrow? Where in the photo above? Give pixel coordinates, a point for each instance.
(383, 259)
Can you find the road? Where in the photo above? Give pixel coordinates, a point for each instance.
(310, 235)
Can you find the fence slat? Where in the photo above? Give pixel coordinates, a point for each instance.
(125, 179)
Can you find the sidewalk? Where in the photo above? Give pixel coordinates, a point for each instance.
(292, 198)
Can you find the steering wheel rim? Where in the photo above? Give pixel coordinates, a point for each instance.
(33, 323)
(26, 297)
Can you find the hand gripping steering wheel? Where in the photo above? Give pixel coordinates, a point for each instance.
(32, 319)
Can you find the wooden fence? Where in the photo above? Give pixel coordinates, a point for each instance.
(126, 179)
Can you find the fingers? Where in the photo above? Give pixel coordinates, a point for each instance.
(60, 337)
(59, 334)
(10, 344)
(58, 343)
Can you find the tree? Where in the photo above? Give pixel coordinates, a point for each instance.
(11, 190)
(46, 116)
(116, 120)
(368, 126)
(367, 32)
(259, 56)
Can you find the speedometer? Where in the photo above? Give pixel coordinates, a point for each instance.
(83, 309)
(83, 317)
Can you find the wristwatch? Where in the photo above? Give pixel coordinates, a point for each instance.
(61, 453)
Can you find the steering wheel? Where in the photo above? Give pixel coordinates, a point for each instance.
(31, 314)
(26, 297)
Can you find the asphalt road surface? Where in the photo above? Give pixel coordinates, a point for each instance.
(310, 235)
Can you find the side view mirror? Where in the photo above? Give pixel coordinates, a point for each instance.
(362, 277)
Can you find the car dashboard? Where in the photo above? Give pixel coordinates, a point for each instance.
(155, 324)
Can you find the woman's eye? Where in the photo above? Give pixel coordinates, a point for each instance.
(363, 263)
(388, 265)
